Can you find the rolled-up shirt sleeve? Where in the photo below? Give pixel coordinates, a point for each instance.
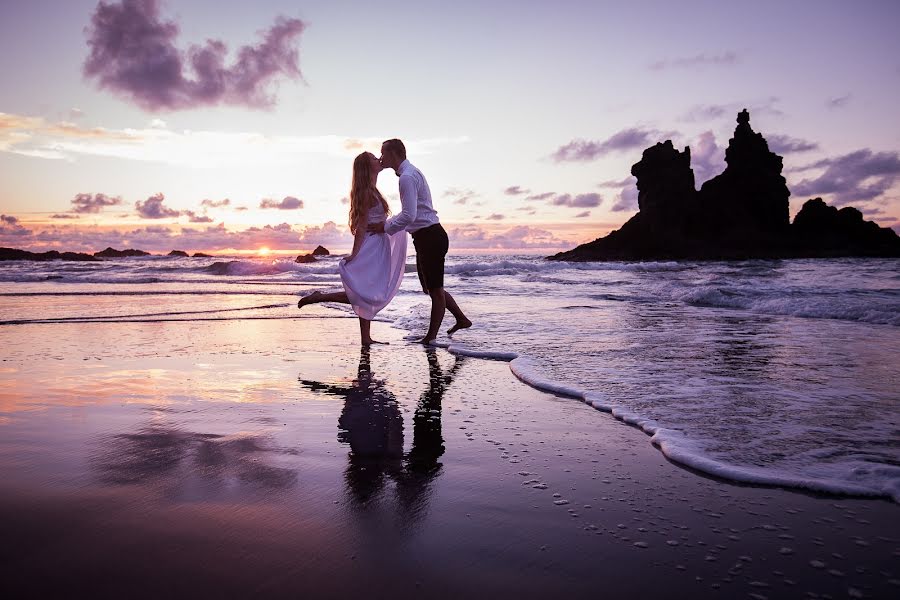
(409, 198)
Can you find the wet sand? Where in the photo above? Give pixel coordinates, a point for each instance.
(272, 458)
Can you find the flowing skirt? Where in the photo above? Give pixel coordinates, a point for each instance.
(372, 279)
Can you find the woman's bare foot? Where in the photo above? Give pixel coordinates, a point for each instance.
(426, 341)
(308, 299)
(375, 342)
(460, 324)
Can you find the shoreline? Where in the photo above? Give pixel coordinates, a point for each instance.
(241, 458)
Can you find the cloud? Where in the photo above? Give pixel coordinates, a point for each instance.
(541, 196)
(590, 200)
(474, 237)
(515, 190)
(704, 59)
(460, 196)
(627, 139)
(152, 208)
(65, 216)
(195, 218)
(616, 183)
(707, 158)
(627, 200)
(714, 112)
(583, 214)
(10, 227)
(838, 101)
(133, 53)
(496, 217)
(215, 203)
(93, 203)
(855, 177)
(288, 203)
(33, 136)
(784, 144)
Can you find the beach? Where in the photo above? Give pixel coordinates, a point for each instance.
(271, 458)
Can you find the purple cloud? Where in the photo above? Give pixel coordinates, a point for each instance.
(288, 203)
(133, 53)
(515, 190)
(65, 216)
(784, 144)
(583, 214)
(541, 196)
(152, 208)
(195, 218)
(9, 226)
(475, 237)
(496, 217)
(460, 196)
(590, 200)
(699, 60)
(714, 112)
(707, 158)
(856, 177)
(215, 203)
(627, 200)
(838, 101)
(93, 203)
(627, 139)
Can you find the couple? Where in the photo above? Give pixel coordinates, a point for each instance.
(371, 275)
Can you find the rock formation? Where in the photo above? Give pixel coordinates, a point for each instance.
(741, 213)
(113, 253)
(180, 253)
(14, 254)
(311, 258)
(202, 255)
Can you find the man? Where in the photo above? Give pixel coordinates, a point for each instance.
(419, 218)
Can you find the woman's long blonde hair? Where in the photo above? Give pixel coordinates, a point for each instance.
(363, 190)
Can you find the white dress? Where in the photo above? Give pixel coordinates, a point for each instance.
(372, 279)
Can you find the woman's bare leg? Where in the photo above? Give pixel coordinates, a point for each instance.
(365, 335)
(317, 297)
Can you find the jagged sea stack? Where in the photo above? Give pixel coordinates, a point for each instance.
(746, 206)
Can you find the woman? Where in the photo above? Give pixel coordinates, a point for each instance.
(371, 275)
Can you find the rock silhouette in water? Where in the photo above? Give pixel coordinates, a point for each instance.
(180, 253)
(113, 253)
(741, 213)
(15, 254)
(321, 251)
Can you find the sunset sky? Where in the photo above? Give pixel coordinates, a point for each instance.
(222, 126)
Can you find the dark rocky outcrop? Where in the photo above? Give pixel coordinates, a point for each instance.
(14, 254)
(321, 251)
(824, 231)
(180, 253)
(202, 255)
(741, 213)
(113, 253)
(305, 258)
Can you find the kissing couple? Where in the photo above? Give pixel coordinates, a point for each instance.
(372, 274)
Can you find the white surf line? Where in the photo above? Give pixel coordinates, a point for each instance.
(674, 446)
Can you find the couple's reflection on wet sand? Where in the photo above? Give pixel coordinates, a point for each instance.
(371, 423)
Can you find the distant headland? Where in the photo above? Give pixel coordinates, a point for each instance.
(16, 254)
(741, 213)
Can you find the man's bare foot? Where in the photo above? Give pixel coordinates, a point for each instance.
(375, 342)
(464, 324)
(426, 341)
(308, 299)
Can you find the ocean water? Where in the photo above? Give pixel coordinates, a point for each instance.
(773, 372)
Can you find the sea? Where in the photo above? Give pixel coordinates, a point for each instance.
(774, 372)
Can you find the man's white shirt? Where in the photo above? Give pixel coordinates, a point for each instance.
(415, 197)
